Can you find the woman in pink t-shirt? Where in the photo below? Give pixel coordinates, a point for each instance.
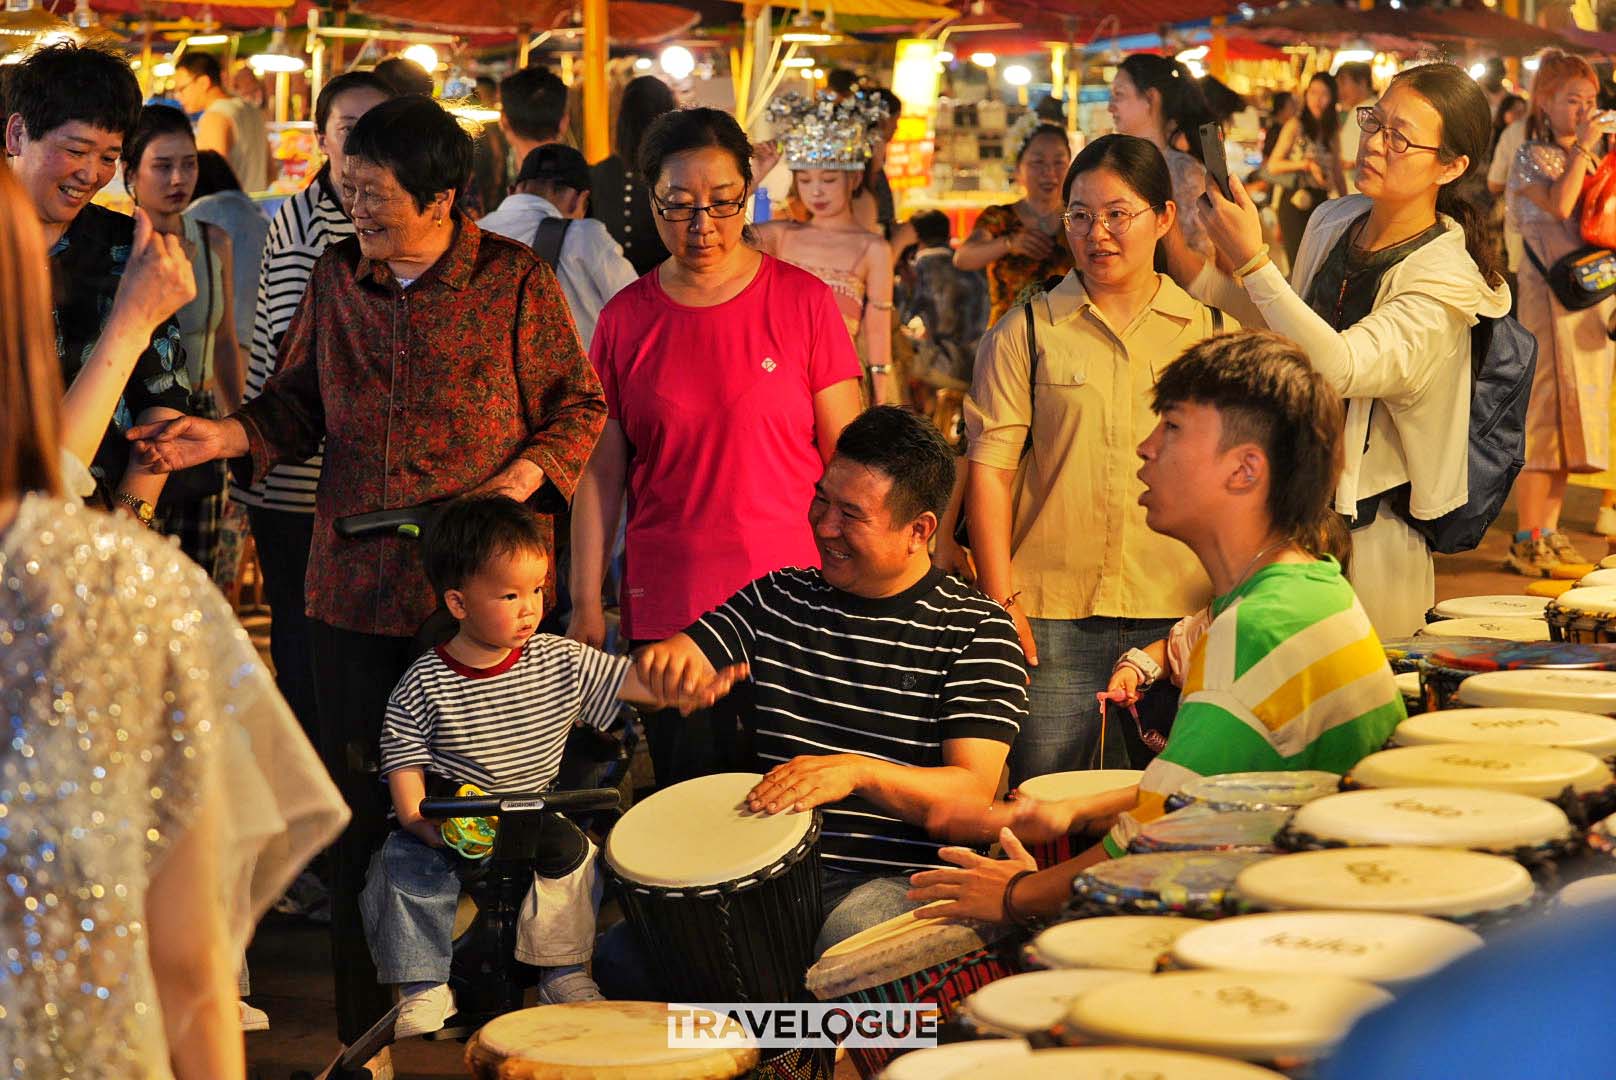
(728, 376)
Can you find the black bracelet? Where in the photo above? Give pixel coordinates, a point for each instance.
(1010, 912)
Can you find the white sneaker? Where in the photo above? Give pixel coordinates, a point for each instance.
(424, 1012)
(566, 985)
(253, 1019)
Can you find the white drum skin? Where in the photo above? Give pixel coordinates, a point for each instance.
(1495, 628)
(1079, 783)
(1417, 881)
(1577, 690)
(624, 1040)
(651, 845)
(1589, 732)
(1033, 1002)
(1540, 771)
(959, 1059)
(1442, 817)
(1117, 942)
(1112, 1063)
(1491, 607)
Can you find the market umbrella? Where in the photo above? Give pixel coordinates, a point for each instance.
(1400, 30)
(631, 21)
(222, 14)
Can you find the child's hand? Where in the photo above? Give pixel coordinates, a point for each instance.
(710, 690)
(426, 830)
(1124, 685)
(1039, 821)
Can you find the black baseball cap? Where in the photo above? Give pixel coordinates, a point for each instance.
(556, 163)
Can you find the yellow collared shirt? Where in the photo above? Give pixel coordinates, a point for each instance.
(1079, 543)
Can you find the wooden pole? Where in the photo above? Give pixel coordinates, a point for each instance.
(597, 140)
(147, 83)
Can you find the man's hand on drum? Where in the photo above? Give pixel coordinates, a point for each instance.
(975, 890)
(676, 674)
(806, 782)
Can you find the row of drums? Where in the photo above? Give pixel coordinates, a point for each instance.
(1242, 936)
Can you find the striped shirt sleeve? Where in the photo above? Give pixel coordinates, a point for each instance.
(407, 726)
(985, 693)
(726, 635)
(600, 682)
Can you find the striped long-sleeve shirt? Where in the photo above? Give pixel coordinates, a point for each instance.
(891, 678)
(304, 226)
(1290, 675)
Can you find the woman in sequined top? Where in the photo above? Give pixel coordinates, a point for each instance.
(1568, 415)
(155, 793)
(1022, 244)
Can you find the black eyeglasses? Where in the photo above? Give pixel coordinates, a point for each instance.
(1396, 141)
(687, 211)
(1116, 222)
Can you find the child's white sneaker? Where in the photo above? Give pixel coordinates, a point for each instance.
(424, 1012)
(253, 1019)
(558, 986)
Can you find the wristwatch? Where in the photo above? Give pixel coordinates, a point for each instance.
(143, 511)
(1142, 662)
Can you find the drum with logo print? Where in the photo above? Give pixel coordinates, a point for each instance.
(1445, 669)
(949, 1060)
(1588, 732)
(1284, 1021)
(1579, 691)
(1030, 1006)
(1078, 784)
(1120, 1063)
(1256, 790)
(1204, 828)
(1389, 949)
(910, 959)
(1502, 628)
(1574, 779)
(1117, 942)
(1468, 887)
(591, 1040)
(1193, 883)
(1585, 614)
(1533, 831)
(1506, 606)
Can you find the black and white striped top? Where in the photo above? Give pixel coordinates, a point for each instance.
(502, 728)
(304, 226)
(890, 678)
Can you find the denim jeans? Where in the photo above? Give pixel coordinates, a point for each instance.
(853, 902)
(1062, 729)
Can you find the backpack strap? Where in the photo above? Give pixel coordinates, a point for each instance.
(1032, 373)
(547, 240)
(1217, 320)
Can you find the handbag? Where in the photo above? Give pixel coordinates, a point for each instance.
(1580, 279)
(1598, 217)
(198, 481)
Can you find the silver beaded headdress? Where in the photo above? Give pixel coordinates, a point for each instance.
(827, 133)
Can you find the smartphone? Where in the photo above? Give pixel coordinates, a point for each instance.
(1216, 159)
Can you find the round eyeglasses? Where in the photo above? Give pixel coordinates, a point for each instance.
(1116, 222)
(1370, 123)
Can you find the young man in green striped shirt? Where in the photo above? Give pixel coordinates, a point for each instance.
(1289, 675)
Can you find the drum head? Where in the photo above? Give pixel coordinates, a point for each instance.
(700, 833)
(1483, 656)
(1543, 771)
(1597, 579)
(1193, 882)
(1115, 1063)
(1419, 881)
(1199, 827)
(1036, 1001)
(1445, 817)
(1597, 599)
(1578, 691)
(1260, 790)
(1119, 942)
(1251, 1015)
(957, 1059)
(1588, 732)
(1385, 948)
(625, 1040)
(1489, 607)
(900, 946)
(1405, 654)
(1492, 629)
(1608, 562)
(1075, 785)
(1600, 889)
(1408, 685)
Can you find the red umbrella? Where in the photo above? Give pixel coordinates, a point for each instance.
(632, 22)
(225, 14)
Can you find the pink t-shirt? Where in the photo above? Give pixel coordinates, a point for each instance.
(717, 404)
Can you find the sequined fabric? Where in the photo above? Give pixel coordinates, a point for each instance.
(122, 672)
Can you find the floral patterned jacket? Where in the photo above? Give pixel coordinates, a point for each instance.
(421, 393)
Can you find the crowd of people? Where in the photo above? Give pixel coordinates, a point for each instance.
(1145, 451)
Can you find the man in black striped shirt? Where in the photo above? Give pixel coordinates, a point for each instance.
(884, 691)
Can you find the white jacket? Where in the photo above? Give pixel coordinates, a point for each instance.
(1411, 353)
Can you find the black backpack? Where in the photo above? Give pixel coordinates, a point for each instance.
(1503, 356)
(548, 238)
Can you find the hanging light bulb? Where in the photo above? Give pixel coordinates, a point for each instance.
(278, 58)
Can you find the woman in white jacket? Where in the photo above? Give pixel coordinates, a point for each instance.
(1386, 288)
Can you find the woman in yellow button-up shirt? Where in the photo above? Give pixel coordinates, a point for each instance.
(1058, 535)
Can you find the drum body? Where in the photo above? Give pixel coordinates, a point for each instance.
(909, 959)
(1588, 732)
(1385, 948)
(1467, 887)
(1279, 1020)
(1193, 883)
(1031, 1006)
(1072, 785)
(1488, 607)
(1444, 669)
(624, 1040)
(1199, 827)
(732, 917)
(1116, 942)
(1586, 614)
(1256, 790)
